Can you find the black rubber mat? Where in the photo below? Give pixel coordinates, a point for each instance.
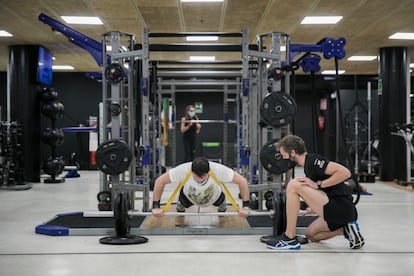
(265, 221)
(77, 220)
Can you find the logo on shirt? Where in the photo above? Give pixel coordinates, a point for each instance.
(319, 163)
(201, 197)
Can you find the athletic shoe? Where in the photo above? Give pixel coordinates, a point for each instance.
(222, 207)
(352, 234)
(283, 242)
(180, 208)
(271, 238)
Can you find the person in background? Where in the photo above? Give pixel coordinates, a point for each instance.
(189, 131)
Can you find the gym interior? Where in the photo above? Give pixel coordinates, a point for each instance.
(81, 147)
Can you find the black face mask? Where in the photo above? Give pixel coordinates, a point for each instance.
(283, 165)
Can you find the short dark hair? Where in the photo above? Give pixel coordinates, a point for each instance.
(200, 166)
(292, 142)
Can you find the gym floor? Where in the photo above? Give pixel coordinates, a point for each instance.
(386, 219)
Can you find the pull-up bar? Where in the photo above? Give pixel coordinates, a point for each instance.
(185, 34)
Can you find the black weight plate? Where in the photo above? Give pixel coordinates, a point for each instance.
(114, 73)
(278, 109)
(271, 159)
(269, 156)
(278, 216)
(113, 157)
(122, 221)
(104, 196)
(282, 196)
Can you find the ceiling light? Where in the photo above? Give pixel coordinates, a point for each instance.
(62, 67)
(362, 58)
(332, 72)
(89, 20)
(202, 38)
(321, 19)
(189, 1)
(402, 36)
(3, 33)
(202, 58)
(411, 65)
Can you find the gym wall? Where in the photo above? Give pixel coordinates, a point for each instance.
(80, 96)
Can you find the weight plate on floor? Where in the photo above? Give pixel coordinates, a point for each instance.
(122, 221)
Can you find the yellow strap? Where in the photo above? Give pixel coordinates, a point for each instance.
(226, 191)
(179, 186)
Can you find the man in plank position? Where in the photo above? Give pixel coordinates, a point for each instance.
(201, 182)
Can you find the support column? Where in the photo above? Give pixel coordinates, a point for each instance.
(23, 104)
(394, 108)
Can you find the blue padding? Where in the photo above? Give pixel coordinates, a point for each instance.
(52, 230)
(78, 129)
(69, 214)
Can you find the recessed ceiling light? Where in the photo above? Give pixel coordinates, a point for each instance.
(332, 72)
(321, 19)
(4, 33)
(362, 58)
(202, 38)
(88, 20)
(202, 58)
(62, 67)
(402, 36)
(188, 1)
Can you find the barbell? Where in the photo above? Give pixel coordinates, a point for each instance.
(193, 214)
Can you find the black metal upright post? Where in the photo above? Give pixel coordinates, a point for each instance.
(23, 104)
(394, 108)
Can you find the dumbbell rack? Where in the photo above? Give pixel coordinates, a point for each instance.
(11, 159)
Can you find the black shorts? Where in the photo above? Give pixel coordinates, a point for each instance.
(187, 203)
(339, 211)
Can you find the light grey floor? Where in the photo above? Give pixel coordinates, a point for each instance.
(386, 220)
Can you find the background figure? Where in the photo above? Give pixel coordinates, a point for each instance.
(189, 131)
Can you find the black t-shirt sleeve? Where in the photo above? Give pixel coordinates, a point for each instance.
(315, 166)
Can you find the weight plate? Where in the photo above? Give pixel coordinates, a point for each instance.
(122, 221)
(278, 109)
(113, 157)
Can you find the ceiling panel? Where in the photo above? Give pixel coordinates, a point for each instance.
(366, 25)
(202, 19)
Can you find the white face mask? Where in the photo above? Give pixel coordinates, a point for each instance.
(191, 113)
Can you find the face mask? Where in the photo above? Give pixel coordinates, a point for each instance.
(191, 113)
(283, 165)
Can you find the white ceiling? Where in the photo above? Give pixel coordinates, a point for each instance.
(366, 25)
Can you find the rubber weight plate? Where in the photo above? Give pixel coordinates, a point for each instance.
(278, 109)
(114, 73)
(122, 221)
(113, 157)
